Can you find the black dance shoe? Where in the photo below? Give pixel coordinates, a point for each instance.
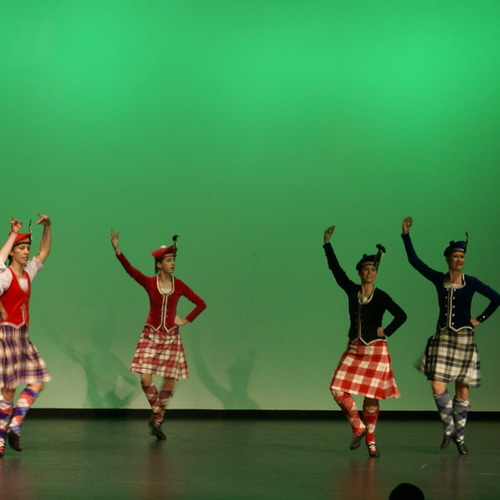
(356, 440)
(156, 430)
(14, 441)
(372, 450)
(446, 441)
(461, 448)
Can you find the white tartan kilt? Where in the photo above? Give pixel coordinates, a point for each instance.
(451, 356)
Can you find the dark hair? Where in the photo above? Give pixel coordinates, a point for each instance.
(159, 260)
(156, 262)
(406, 491)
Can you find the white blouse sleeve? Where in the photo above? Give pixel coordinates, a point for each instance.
(32, 267)
(5, 278)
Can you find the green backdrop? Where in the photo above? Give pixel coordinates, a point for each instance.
(247, 127)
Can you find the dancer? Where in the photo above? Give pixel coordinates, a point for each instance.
(451, 353)
(365, 367)
(20, 362)
(160, 350)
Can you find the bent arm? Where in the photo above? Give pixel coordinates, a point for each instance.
(199, 303)
(399, 317)
(490, 294)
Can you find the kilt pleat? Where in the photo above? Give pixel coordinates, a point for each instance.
(160, 353)
(20, 361)
(452, 356)
(365, 370)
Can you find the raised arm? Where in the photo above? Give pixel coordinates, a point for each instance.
(328, 234)
(141, 278)
(115, 241)
(333, 264)
(413, 259)
(407, 222)
(15, 227)
(46, 240)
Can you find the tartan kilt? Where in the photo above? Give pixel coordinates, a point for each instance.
(20, 362)
(451, 356)
(159, 352)
(366, 370)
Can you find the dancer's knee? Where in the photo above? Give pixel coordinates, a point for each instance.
(337, 395)
(461, 391)
(370, 405)
(8, 394)
(438, 387)
(38, 387)
(146, 379)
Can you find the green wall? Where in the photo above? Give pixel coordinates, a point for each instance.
(247, 127)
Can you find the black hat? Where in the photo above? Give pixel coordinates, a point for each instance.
(373, 260)
(457, 246)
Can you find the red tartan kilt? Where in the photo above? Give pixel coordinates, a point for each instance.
(159, 352)
(366, 370)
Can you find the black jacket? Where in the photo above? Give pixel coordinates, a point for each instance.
(367, 317)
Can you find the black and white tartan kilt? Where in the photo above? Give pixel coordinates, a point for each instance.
(452, 356)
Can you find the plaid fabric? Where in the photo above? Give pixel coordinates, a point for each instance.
(452, 356)
(366, 370)
(20, 362)
(160, 353)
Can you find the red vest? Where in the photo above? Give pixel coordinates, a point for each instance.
(16, 302)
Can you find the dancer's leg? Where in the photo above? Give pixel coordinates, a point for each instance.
(6, 409)
(444, 407)
(349, 409)
(460, 409)
(166, 393)
(371, 410)
(24, 403)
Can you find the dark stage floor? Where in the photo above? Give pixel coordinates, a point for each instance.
(247, 459)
